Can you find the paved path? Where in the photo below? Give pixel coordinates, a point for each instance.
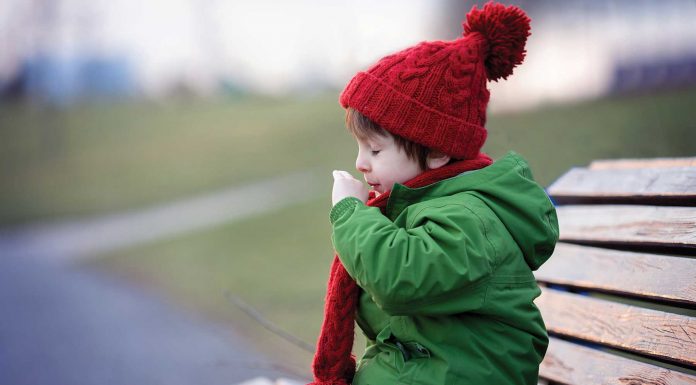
(70, 240)
(63, 324)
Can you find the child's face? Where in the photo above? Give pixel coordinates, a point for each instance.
(383, 163)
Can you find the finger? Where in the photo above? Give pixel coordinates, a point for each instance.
(340, 174)
(346, 175)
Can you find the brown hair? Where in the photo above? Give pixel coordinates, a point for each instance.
(363, 127)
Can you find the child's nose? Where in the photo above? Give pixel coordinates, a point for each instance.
(361, 164)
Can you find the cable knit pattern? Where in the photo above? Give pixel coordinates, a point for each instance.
(434, 93)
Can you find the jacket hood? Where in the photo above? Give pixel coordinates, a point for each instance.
(508, 188)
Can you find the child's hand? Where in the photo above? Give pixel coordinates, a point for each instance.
(347, 186)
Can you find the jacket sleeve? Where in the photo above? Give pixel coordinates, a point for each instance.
(439, 264)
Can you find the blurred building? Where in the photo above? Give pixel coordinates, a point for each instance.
(61, 51)
(583, 49)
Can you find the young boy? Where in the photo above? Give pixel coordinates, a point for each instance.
(436, 267)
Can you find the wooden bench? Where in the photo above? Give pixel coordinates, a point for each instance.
(619, 293)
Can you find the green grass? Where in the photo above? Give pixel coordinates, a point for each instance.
(100, 158)
(96, 159)
(277, 262)
(556, 138)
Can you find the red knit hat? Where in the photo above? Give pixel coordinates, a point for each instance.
(435, 93)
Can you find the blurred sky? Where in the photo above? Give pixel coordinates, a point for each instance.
(273, 46)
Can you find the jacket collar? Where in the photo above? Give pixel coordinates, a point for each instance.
(402, 196)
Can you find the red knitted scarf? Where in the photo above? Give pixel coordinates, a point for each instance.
(333, 363)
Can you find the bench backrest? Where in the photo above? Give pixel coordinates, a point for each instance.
(619, 293)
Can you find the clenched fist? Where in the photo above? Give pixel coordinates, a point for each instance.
(346, 186)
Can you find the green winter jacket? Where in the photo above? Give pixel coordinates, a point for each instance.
(446, 278)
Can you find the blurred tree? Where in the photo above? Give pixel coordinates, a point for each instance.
(42, 27)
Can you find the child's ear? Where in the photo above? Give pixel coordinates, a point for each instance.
(436, 159)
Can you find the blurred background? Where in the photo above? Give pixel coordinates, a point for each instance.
(180, 152)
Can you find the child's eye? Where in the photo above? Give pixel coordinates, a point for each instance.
(375, 152)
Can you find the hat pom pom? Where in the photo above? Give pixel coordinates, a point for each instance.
(506, 30)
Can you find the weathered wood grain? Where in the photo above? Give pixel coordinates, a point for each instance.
(665, 336)
(645, 205)
(569, 363)
(674, 186)
(643, 163)
(673, 227)
(669, 279)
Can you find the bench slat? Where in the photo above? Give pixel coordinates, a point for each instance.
(660, 335)
(663, 226)
(675, 185)
(656, 277)
(570, 363)
(643, 163)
